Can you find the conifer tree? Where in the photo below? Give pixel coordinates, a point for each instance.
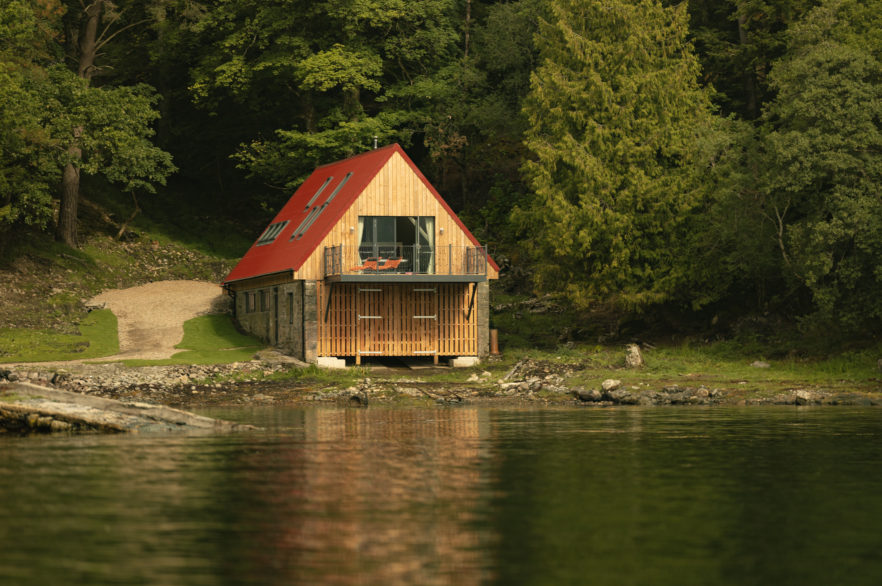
(615, 111)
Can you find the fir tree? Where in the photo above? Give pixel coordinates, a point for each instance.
(615, 111)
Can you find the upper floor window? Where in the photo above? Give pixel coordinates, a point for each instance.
(408, 238)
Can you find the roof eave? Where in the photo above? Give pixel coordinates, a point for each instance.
(239, 280)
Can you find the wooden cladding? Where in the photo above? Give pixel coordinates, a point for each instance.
(395, 191)
(382, 319)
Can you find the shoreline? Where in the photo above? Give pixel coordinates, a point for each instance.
(262, 382)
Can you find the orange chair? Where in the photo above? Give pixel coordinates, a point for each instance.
(390, 265)
(369, 265)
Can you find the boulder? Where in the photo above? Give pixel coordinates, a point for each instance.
(588, 395)
(622, 396)
(359, 399)
(610, 385)
(802, 397)
(760, 364)
(633, 356)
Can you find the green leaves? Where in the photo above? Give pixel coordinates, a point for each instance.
(339, 67)
(317, 81)
(615, 112)
(26, 167)
(114, 127)
(824, 140)
(50, 118)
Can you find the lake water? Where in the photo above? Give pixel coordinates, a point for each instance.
(455, 496)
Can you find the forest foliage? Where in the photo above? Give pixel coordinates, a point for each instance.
(715, 157)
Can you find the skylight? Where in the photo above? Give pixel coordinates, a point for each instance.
(315, 212)
(271, 233)
(336, 191)
(319, 192)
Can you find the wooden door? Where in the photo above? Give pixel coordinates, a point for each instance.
(423, 313)
(372, 321)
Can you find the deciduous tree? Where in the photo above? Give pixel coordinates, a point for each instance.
(824, 158)
(102, 130)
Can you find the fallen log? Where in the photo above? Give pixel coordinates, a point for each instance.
(30, 408)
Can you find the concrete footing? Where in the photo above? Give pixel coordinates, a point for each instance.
(464, 361)
(330, 362)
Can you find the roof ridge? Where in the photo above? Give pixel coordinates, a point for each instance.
(363, 154)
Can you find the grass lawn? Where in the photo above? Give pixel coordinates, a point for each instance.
(209, 339)
(97, 337)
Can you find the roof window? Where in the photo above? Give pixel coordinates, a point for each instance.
(318, 193)
(316, 211)
(271, 233)
(336, 191)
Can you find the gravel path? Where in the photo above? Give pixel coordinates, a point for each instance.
(151, 317)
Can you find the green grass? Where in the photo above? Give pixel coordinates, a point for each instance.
(97, 337)
(719, 366)
(215, 332)
(209, 339)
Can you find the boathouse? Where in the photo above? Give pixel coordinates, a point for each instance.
(366, 259)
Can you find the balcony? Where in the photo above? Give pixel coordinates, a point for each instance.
(391, 262)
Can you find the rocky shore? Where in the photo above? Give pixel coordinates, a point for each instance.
(271, 380)
(27, 408)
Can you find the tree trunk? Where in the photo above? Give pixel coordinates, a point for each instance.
(122, 229)
(88, 39)
(66, 230)
(468, 25)
(87, 49)
(749, 73)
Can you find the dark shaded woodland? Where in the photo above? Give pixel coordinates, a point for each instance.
(694, 162)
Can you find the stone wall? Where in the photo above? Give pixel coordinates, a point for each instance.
(282, 315)
(482, 303)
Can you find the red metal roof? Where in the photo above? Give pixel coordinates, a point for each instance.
(283, 254)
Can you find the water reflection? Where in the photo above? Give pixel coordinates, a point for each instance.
(371, 497)
(454, 496)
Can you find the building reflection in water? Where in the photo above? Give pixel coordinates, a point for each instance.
(376, 496)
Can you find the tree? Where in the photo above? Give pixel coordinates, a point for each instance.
(476, 129)
(737, 41)
(102, 129)
(615, 112)
(823, 139)
(26, 166)
(316, 81)
(25, 171)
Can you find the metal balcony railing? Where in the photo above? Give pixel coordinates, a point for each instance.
(402, 260)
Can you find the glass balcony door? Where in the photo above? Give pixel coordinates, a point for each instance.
(408, 239)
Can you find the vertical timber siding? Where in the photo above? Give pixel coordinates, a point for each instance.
(395, 191)
(383, 319)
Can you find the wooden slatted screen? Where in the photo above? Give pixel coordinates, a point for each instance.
(383, 319)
